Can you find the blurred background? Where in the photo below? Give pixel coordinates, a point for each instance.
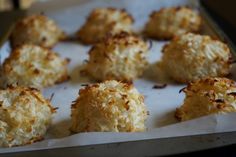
(223, 12)
(6, 5)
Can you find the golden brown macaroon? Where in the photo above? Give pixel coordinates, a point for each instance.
(109, 106)
(190, 57)
(211, 95)
(34, 66)
(170, 22)
(120, 57)
(37, 30)
(24, 116)
(104, 21)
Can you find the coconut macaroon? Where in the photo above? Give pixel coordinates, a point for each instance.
(120, 57)
(24, 116)
(208, 96)
(38, 30)
(190, 57)
(34, 66)
(109, 106)
(170, 22)
(103, 21)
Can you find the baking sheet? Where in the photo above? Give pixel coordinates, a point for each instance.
(161, 103)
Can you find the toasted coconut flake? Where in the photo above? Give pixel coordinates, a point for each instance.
(159, 86)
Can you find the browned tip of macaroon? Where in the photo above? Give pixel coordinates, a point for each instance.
(178, 114)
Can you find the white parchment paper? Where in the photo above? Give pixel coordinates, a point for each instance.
(161, 103)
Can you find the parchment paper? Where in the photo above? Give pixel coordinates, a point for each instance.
(161, 103)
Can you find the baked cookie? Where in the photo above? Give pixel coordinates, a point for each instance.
(120, 57)
(104, 21)
(109, 106)
(190, 57)
(33, 66)
(211, 95)
(170, 22)
(38, 30)
(24, 116)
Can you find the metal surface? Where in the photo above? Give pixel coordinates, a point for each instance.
(155, 147)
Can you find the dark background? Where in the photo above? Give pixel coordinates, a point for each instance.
(224, 13)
